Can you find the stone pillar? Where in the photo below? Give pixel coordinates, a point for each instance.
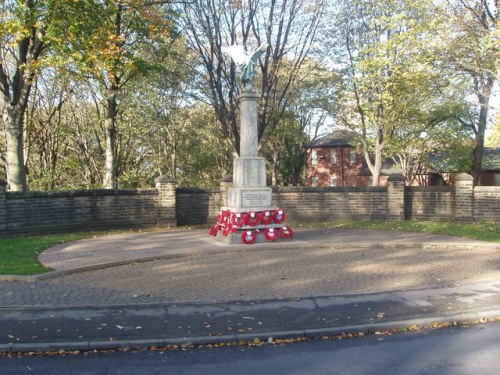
(3, 206)
(166, 201)
(396, 197)
(249, 191)
(249, 139)
(224, 184)
(464, 197)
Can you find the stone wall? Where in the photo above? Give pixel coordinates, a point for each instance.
(197, 206)
(42, 212)
(487, 203)
(46, 212)
(332, 203)
(425, 202)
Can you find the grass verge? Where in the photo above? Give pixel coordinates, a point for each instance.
(478, 231)
(18, 255)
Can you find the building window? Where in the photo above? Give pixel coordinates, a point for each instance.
(314, 181)
(314, 156)
(352, 156)
(333, 180)
(333, 156)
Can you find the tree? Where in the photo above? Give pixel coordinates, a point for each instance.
(167, 133)
(289, 27)
(305, 117)
(25, 35)
(47, 135)
(118, 41)
(443, 148)
(393, 83)
(475, 52)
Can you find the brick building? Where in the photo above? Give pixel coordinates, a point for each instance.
(334, 160)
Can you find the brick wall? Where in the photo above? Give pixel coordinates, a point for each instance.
(429, 202)
(39, 212)
(487, 203)
(332, 203)
(46, 212)
(197, 206)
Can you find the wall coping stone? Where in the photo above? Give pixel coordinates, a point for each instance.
(164, 179)
(227, 178)
(327, 189)
(463, 177)
(187, 190)
(430, 188)
(78, 193)
(396, 178)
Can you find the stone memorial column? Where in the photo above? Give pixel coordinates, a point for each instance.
(249, 191)
(249, 209)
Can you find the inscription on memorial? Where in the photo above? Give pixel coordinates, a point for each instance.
(256, 198)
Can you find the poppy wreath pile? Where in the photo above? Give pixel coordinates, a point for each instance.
(230, 222)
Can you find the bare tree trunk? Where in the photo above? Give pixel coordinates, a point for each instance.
(483, 94)
(110, 129)
(377, 165)
(14, 139)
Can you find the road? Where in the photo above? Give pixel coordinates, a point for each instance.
(459, 350)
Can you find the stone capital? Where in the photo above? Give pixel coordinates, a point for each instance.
(463, 177)
(396, 177)
(248, 95)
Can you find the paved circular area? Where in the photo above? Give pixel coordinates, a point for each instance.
(320, 262)
(291, 273)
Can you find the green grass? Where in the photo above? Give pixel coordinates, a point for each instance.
(477, 231)
(18, 255)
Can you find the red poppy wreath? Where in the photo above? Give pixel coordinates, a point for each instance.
(271, 234)
(279, 216)
(248, 237)
(252, 218)
(286, 232)
(238, 219)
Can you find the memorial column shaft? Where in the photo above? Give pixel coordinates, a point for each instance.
(249, 138)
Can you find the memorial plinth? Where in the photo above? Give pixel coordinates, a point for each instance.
(249, 216)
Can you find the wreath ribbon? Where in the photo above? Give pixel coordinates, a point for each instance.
(213, 231)
(223, 216)
(229, 229)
